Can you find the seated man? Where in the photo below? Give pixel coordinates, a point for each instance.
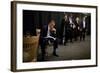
(48, 32)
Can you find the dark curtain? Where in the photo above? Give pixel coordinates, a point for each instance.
(36, 19)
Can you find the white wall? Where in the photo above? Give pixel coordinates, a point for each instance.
(5, 37)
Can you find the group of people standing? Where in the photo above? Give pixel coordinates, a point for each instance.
(69, 30)
(73, 28)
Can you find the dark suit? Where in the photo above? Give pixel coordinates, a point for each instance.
(62, 30)
(76, 30)
(83, 30)
(44, 41)
(65, 31)
(71, 28)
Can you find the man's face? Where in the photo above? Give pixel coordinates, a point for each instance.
(77, 19)
(65, 17)
(70, 15)
(84, 18)
(52, 23)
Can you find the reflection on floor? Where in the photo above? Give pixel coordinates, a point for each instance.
(72, 51)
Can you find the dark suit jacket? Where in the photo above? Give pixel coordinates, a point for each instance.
(43, 34)
(44, 30)
(77, 25)
(81, 25)
(66, 25)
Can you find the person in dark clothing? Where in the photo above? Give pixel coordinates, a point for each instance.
(72, 26)
(65, 30)
(48, 32)
(76, 30)
(62, 30)
(83, 27)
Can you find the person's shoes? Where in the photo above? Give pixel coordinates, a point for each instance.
(64, 44)
(55, 55)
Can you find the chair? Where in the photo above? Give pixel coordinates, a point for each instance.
(30, 45)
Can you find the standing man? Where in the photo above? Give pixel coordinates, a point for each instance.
(72, 26)
(48, 32)
(83, 27)
(65, 30)
(76, 30)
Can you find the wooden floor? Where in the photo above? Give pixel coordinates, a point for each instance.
(72, 51)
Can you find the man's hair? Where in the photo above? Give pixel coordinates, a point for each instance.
(50, 20)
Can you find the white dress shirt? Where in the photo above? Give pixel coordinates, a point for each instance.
(48, 32)
(83, 23)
